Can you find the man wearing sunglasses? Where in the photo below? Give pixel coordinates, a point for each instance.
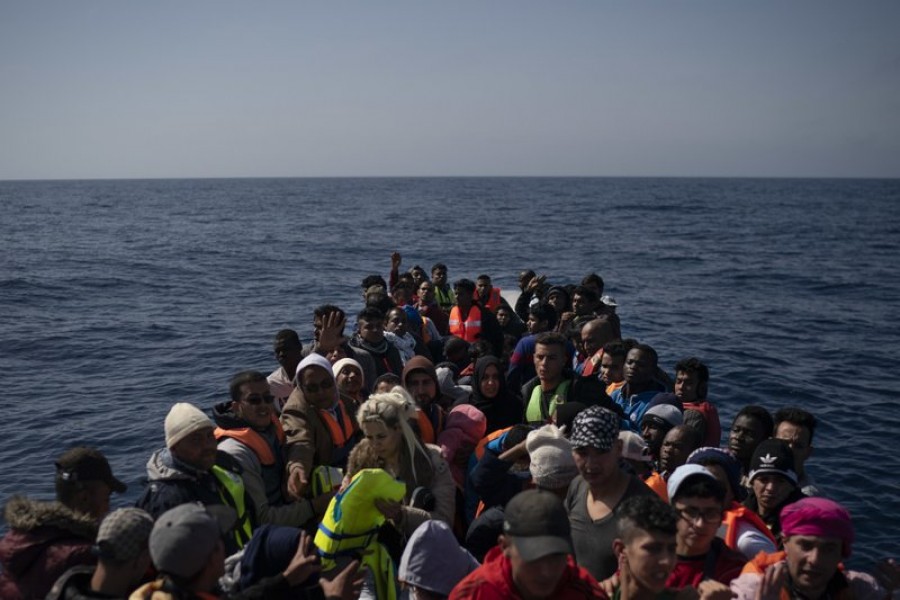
(249, 431)
(699, 499)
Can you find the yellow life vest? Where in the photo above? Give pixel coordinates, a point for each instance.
(231, 491)
(536, 412)
(351, 523)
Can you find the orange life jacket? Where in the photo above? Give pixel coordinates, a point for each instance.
(339, 436)
(738, 514)
(426, 428)
(493, 302)
(469, 329)
(656, 483)
(253, 440)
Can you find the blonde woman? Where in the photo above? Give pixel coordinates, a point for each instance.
(391, 444)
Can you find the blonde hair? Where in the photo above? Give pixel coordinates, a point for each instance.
(395, 409)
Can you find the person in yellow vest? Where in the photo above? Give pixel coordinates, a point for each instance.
(249, 430)
(818, 535)
(318, 428)
(443, 293)
(189, 469)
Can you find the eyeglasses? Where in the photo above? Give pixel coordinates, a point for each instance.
(691, 514)
(257, 399)
(314, 388)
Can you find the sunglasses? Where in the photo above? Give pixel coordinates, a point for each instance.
(258, 399)
(314, 388)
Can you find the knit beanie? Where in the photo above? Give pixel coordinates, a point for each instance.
(552, 465)
(183, 420)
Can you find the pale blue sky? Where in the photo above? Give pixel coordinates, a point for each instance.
(377, 88)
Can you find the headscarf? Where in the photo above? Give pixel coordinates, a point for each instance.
(504, 409)
(819, 517)
(339, 365)
(316, 360)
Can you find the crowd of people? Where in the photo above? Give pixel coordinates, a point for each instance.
(450, 444)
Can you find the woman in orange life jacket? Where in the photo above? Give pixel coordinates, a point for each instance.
(741, 529)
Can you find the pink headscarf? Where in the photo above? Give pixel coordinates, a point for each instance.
(820, 517)
(464, 428)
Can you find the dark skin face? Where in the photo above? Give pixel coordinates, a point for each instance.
(288, 354)
(463, 298)
(746, 434)
(639, 370)
(439, 277)
(675, 449)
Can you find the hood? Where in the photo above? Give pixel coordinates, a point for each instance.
(316, 360)
(420, 363)
(336, 368)
(468, 420)
(224, 417)
(162, 467)
(25, 514)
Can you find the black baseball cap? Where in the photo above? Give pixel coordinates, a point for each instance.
(87, 464)
(536, 523)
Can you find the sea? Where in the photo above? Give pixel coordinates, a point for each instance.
(119, 298)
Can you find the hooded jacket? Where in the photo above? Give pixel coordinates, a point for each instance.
(45, 539)
(435, 411)
(308, 439)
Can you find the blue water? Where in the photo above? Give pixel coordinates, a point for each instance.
(119, 298)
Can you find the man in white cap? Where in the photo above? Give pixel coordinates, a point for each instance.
(534, 557)
(123, 559)
(189, 469)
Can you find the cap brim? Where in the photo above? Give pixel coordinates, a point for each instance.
(534, 547)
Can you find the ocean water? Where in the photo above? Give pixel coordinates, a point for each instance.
(119, 298)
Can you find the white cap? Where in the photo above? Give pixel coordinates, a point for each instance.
(682, 473)
(183, 420)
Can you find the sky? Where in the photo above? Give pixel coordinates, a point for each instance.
(170, 89)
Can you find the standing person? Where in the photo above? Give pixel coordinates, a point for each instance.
(533, 559)
(122, 560)
(47, 538)
(390, 444)
(818, 535)
(288, 353)
(600, 487)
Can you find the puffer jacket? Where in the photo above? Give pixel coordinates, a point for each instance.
(45, 539)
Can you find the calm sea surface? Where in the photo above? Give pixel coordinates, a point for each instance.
(119, 298)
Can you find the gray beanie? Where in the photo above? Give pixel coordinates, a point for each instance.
(552, 465)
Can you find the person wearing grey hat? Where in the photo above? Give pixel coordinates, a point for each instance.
(433, 561)
(773, 482)
(533, 558)
(600, 487)
(190, 469)
(123, 560)
(656, 423)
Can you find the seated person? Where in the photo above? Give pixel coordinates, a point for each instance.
(817, 535)
(692, 387)
(699, 499)
(752, 425)
(773, 482)
(797, 426)
(640, 386)
(741, 529)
